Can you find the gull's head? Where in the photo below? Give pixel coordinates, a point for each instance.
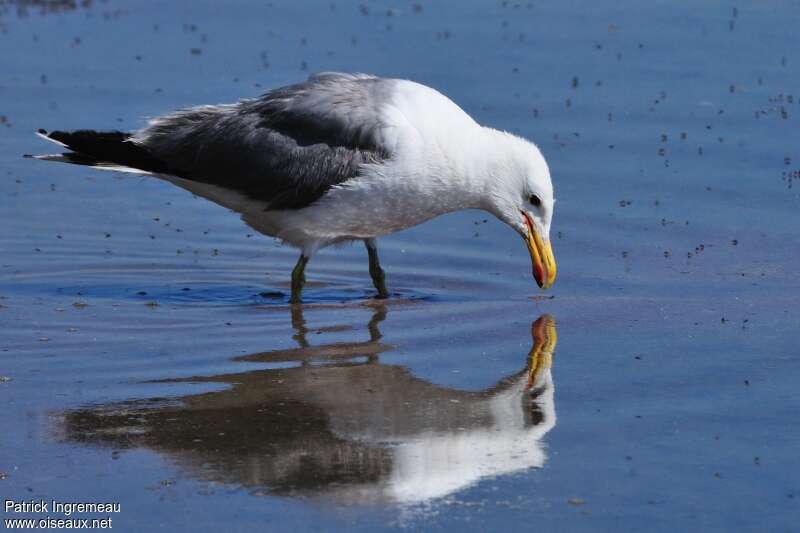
(521, 195)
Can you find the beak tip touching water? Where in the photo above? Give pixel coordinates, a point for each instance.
(542, 260)
(544, 277)
(545, 272)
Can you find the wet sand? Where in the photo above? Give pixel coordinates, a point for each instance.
(148, 355)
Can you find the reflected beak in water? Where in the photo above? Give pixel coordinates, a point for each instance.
(544, 264)
(544, 344)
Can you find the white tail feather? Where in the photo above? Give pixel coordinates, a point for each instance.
(46, 137)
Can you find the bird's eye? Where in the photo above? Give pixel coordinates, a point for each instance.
(535, 200)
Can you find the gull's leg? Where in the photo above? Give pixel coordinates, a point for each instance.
(299, 326)
(375, 270)
(298, 278)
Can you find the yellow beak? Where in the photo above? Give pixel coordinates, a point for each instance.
(544, 344)
(544, 264)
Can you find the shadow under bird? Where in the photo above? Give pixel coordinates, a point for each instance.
(339, 157)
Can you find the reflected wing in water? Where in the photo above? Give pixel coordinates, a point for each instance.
(352, 430)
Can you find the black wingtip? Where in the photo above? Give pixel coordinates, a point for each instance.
(42, 131)
(27, 156)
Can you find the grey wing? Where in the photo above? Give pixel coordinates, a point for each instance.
(285, 148)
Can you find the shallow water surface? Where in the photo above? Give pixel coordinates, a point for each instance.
(148, 354)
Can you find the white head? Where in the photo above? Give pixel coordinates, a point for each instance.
(521, 195)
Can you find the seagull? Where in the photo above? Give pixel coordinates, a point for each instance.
(354, 430)
(337, 158)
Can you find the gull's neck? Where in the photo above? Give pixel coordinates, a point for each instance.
(482, 161)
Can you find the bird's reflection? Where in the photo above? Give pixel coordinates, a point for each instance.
(341, 425)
